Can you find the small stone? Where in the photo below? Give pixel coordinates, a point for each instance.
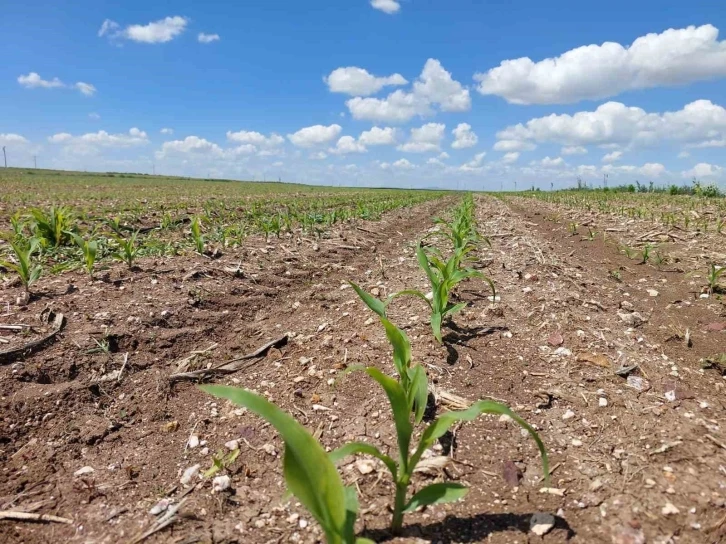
(189, 474)
(603, 402)
(375, 291)
(541, 523)
(221, 483)
(627, 306)
(569, 414)
(563, 352)
(652, 292)
(232, 445)
(269, 449)
(160, 507)
(368, 321)
(193, 442)
(626, 534)
(364, 466)
(632, 319)
(638, 383)
(597, 484)
(555, 340)
(576, 442)
(83, 471)
(669, 510)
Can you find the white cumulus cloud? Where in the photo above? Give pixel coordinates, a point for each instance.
(167, 131)
(255, 138)
(464, 136)
(612, 157)
(161, 31)
(403, 164)
(315, 135)
(190, 145)
(359, 82)
(705, 171)
(379, 136)
(474, 165)
(207, 38)
(424, 139)
(591, 72)
(613, 124)
(386, 6)
(10, 139)
(347, 144)
(433, 87)
(573, 150)
(510, 157)
(513, 145)
(33, 81)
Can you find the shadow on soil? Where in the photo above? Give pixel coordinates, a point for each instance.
(467, 529)
(461, 335)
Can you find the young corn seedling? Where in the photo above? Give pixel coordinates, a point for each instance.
(714, 275)
(404, 466)
(89, 250)
(28, 272)
(412, 378)
(197, 236)
(309, 472)
(443, 277)
(127, 249)
(54, 227)
(645, 253)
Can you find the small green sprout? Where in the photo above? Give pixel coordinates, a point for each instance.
(27, 271)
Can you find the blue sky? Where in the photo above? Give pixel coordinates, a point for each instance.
(370, 92)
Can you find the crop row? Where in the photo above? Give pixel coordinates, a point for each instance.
(310, 473)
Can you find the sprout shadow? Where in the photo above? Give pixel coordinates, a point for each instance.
(461, 335)
(476, 528)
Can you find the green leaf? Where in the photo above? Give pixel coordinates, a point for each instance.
(444, 422)
(401, 347)
(309, 473)
(423, 262)
(351, 512)
(412, 292)
(454, 308)
(399, 407)
(436, 326)
(372, 302)
(436, 494)
(361, 447)
(419, 392)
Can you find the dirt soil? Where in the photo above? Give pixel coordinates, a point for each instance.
(93, 430)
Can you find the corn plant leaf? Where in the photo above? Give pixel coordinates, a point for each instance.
(361, 447)
(309, 473)
(423, 262)
(351, 512)
(411, 292)
(372, 302)
(436, 325)
(451, 309)
(436, 494)
(419, 392)
(401, 346)
(399, 407)
(442, 424)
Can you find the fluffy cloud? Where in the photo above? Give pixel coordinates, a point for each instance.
(102, 138)
(674, 57)
(703, 170)
(190, 145)
(167, 131)
(359, 82)
(379, 136)
(434, 87)
(652, 169)
(33, 81)
(315, 135)
(474, 165)
(573, 150)
(424, 139)
(386, 6)
(10, 139)
(85, 88)
(547, 162)
(403, 164)
(255, 138)
(613, 124)
(347, 144)
(161, 31)
(207, 38)
(513, 145)
(612, 157)
(510, 157)
(464, 136)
